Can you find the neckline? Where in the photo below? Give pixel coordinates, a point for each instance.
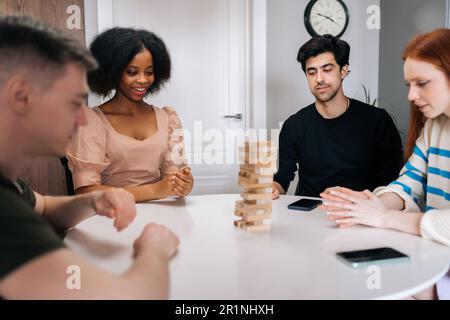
(10, 184)
(347, 110)
(105, 118)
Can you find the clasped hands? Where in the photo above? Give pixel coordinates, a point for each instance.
(348, 208)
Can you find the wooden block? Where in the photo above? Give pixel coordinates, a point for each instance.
(239, 223)
(241, 212)
(257, 177)
(261, 143)
(257, 180)
(251, 206)
(257, 190)
(248, 183)
(259, 165)
(259, 202)
(247, 154)
(256, 228)
(262, 151)
(257, 207)
(238, 213)
(256, 170)
(253, 196)
(257, 217)
(255, 157)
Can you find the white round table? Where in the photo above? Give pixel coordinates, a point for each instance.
(295, 260)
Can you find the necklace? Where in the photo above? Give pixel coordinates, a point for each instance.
(348, 104)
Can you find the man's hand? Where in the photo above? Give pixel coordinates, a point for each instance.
(117, 204)
(156, 239)
(275, 191)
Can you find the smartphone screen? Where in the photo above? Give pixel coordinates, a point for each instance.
(305, 204)
(356, 258)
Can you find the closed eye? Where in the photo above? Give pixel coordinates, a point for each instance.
(77, 104)
(422, 83)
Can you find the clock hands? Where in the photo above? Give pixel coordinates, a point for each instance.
(326, 17)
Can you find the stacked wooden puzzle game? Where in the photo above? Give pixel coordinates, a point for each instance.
(258, 164)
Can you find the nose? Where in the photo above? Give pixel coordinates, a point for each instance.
(142, 79)
(319, 77)
(413, 94)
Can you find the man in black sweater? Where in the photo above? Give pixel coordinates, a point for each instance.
(335, 141)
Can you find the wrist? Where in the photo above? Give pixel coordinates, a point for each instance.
(279, 188)
(92, 198)
(152, 252)
(390, 219)
(156, 190)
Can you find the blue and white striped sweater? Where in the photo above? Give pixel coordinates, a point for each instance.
(424, 182)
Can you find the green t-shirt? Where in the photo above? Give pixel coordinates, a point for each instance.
(24, 234)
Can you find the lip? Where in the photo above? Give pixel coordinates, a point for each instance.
(321, 88)
(422, 108)
(141, 92)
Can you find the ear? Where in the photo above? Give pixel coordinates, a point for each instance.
(17, 91)
(344, 72)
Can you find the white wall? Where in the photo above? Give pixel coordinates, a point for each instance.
(287, 89)
(400, 21)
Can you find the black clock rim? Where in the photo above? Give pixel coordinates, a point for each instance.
(310, 29)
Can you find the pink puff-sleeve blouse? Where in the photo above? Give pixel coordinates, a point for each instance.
(98, 154)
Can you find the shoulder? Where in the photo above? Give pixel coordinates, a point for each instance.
(93, 118)
(171, 115)
(439, 123)
(15, 208)
(27, 192)
(302, 115)
(436, 125)
(370, 113)
(366, 108)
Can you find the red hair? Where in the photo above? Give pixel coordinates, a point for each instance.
(432, 47)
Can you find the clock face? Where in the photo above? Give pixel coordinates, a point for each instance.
(326, 16)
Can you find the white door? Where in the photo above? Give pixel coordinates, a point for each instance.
(209, 45)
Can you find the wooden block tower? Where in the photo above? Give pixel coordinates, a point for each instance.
(258, 164)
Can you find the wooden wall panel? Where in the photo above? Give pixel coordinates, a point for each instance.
(46, 174)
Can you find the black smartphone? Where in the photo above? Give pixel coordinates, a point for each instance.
(360, 258)
(305, 204)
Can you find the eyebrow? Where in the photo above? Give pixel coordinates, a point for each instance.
(132, 66)
(417, 79)
(321, 67)
(83, 95)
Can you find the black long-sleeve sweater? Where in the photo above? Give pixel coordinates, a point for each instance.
(361, 149)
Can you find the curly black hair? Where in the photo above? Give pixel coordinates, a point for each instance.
(321, 44)
(116, 47)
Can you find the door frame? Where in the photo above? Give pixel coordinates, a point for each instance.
(447, 14)
(255, 71)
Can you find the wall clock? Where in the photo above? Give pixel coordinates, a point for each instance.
(326, 17)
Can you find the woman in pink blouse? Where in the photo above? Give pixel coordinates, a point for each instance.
(128, 143)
